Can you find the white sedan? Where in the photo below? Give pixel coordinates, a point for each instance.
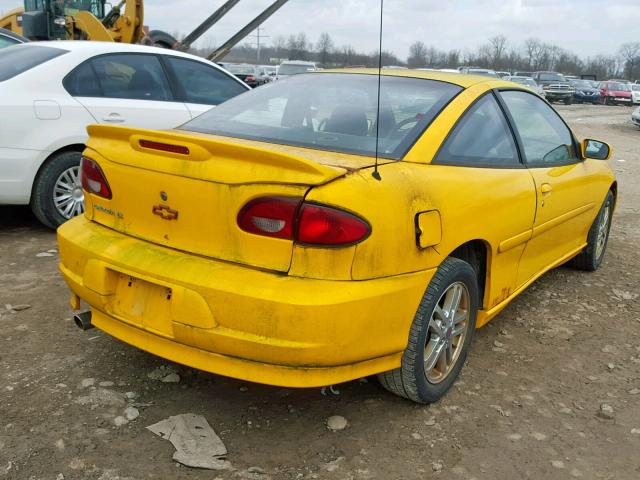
(635, 116)
(51, 91)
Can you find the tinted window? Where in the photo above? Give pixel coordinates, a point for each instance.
(139, 77)
(20, 58)
(200, 83)
(546, 139)
(82, 82)
(481, 138)
(336, 112)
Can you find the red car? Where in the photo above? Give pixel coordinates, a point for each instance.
(615, 93)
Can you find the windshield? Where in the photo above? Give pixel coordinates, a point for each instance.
(335, 112)
(635, 88)
(525, 81)
(20, 58)
(619, 87)
(582, 83)
(240, 69)
(552, 77)
(293, 69)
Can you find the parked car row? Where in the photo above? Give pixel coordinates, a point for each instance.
(256, 75)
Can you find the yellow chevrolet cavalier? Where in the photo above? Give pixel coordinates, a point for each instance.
(260, 241)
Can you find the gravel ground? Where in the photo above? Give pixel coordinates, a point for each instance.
(551, 389)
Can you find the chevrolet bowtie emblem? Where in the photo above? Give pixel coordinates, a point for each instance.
(165, 212)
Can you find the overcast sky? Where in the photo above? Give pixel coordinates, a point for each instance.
(586, 27)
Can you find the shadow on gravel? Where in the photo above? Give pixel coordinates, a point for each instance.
(19, 217)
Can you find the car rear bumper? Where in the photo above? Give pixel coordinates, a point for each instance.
(237, 321)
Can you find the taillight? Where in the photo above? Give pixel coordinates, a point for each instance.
(270, 216)
(164, 147)
(322, 225)
(249, 78)
(93, 180)
(306, 223)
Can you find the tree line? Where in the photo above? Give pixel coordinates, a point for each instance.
(497, 53)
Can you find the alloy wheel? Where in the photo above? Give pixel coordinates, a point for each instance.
(446, 332)
(603, 230)
(68, 197)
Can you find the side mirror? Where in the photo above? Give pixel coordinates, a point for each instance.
(596, 150)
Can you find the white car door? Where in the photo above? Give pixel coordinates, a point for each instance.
(127, 89)
(201, 86)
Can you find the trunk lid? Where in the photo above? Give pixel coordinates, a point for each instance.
(188, 198)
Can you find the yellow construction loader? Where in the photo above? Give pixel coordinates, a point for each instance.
(90, 20)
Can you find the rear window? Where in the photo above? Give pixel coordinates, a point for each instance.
(335, 112)
(20, 58)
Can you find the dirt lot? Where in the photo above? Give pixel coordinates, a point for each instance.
(526, 407)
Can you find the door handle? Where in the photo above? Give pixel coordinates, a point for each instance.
(546, 188)
(113, 118)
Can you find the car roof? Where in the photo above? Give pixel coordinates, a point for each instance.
(464, 81)
(97, 48)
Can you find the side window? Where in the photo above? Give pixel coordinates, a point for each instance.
(200, 83)
(481, 138)
(546, 139)
(6, 41)
(139, 77)
(82, 82)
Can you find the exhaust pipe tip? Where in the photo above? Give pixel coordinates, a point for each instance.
(83, 320)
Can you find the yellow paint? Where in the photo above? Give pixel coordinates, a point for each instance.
(83, 25)
(200, 291)
(429, 229)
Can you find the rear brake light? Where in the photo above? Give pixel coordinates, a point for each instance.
(270, 216)
(321, 225)
(93, 179)
(249, 78)
(165, 147)
(306, 223)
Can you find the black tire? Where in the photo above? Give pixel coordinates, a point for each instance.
(42, 195)
(410, 380)
(161, 39)
(568, 101)
(590, 259)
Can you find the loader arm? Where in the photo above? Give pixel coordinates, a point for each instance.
(92, 27)
(9, 21)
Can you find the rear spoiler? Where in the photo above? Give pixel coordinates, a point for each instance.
(206, 157)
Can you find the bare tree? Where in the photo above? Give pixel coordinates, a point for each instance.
(630, 54)
(498, 49)
(298, 46)
(417, 55)
(325, 48)
(280, 46)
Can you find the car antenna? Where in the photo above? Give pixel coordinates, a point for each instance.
(376, 173)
